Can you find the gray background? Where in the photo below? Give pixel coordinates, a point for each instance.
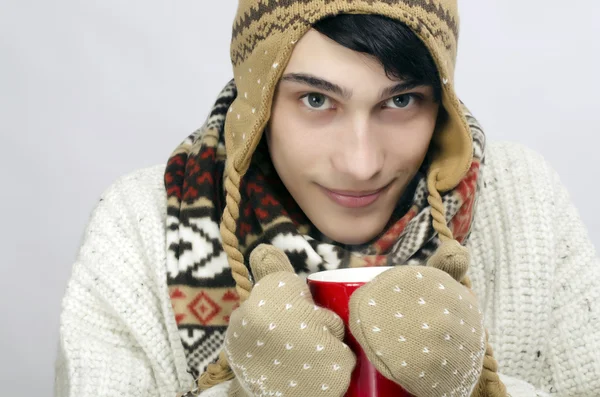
(90, 90)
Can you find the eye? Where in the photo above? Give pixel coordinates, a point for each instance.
(316, 101)
(400, 101)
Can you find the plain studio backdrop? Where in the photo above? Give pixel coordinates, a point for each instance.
(92, 90)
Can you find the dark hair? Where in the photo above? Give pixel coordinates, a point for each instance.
(401, 53)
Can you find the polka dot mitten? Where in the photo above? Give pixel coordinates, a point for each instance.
(421, 329)
(279, 343)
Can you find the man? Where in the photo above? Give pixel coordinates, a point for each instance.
(340, 143)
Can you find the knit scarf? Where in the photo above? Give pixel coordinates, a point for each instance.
(201, 286)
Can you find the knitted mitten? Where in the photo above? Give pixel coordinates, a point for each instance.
(279, 343)
(421, 329)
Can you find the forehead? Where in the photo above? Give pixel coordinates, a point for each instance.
(318, 55)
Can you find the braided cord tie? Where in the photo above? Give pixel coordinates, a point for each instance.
(454, 259)
(220, 371)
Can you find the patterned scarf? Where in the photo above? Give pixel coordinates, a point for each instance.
(201, 286)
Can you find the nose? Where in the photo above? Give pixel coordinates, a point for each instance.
(359, 154)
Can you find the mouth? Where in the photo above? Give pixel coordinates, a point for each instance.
(353, 198)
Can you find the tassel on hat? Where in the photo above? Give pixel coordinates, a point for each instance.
(450, 257)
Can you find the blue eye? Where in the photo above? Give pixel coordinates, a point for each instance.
(400, 101)
(315, 101)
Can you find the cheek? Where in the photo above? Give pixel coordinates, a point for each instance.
(292, 148)
(406, 147)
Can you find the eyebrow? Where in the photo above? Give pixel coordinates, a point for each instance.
(318, 83)
(324, 85)
(400, 88)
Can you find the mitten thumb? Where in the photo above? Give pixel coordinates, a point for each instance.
(267, 259)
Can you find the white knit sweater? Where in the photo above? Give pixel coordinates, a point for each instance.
(534, 270)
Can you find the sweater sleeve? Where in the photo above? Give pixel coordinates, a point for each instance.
(538, 277)
(117, 332)
(574, 342)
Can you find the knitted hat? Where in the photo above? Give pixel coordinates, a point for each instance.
(263, 38)
(264, 35)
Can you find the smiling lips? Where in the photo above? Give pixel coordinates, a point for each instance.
(353, 199)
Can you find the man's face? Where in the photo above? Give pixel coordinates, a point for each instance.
(345, 139)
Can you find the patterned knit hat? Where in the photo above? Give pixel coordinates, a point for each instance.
(263, 38)
(264, 35)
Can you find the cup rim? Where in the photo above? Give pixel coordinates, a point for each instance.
(348, 275)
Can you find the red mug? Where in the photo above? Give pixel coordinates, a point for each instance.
(332, 289)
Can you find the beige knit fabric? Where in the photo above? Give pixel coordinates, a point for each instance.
(421, 329)
(279, 343)
(264, 35)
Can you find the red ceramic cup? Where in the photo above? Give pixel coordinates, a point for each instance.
(332, 289)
